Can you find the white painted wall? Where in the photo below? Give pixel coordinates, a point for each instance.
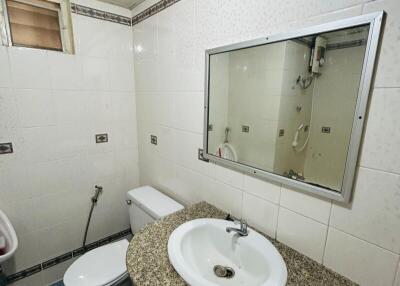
(51, 106)
(360, 241)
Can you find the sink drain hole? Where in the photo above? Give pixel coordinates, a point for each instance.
(223, 271)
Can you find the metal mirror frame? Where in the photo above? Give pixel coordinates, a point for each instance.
(375, 21)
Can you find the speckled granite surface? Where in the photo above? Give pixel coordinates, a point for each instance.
(148, 263)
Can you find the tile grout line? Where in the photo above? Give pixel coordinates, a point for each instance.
(327, 233)
(397, 274)
(378, 170)
(277, 222)
(345, 232)
(366, 241)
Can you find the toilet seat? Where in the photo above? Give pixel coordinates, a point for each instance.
(102, 266)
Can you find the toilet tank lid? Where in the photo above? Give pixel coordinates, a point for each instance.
(153, 201)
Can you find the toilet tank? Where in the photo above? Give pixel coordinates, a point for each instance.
(147, 205)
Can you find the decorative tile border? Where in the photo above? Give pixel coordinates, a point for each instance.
(24, 273)
(66, 256)
(349, 44)
(152, 10)
(99, 14)
(115, 18)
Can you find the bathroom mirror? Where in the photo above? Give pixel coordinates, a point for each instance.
(290, 108)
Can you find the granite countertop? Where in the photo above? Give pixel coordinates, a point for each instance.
(148, 263)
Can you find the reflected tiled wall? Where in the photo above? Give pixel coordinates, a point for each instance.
(51, 106)
(360, 241)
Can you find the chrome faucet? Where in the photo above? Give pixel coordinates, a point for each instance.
(242, 231)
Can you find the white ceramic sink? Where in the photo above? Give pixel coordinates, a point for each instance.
(195, 247)
(7, 230)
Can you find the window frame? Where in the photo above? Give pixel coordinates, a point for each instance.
(63, 29)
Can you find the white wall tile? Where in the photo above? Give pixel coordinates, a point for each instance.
(224, 197)
(301, 233)
(120, 74)
(36, 107)
(262, 189)
(98, 105)
(127, 166)
(56, 242)
(374, 214)
(102, 166)
(382, 135)
(145, 44)
(226, 175)
(187, 145)
(125, 135)
(188, 111)
(5, 72)
(157, 172)
(388, 74)
(189, 185)
(65, 71)
(155, 108)
(29, 68)
(72, 140)
(362, 262)
(51, 209)
(39, 144)
(9, 117)
(72, 106)
(123, 106)
(261, 214)
(89, 43)
(305, 204)
(144, 83)
(95, 73)
(121, 43)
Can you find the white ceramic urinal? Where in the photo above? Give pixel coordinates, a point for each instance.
(226, 151)
(11, 240)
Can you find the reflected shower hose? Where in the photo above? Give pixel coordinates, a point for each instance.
(296, 136)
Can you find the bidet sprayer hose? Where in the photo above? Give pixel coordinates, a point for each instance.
(95, 198)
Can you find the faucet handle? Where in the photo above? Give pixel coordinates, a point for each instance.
(243, 225)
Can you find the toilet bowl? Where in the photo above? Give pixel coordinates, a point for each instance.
(106, 265)
(101, 266)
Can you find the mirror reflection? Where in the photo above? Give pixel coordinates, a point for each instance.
(288, 107)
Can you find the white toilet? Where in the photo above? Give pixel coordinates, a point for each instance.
(106, 266)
